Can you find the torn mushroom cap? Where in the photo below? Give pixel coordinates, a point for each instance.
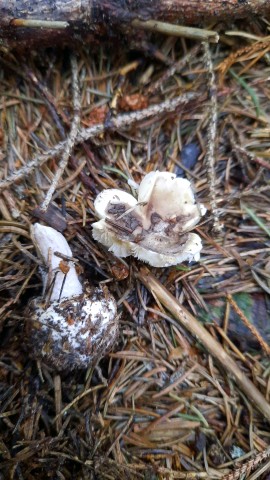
(155, 228)
(76, 324)
(101, 232)
(170, 197)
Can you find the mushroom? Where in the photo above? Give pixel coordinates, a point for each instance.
(156, 227)
(71, 325)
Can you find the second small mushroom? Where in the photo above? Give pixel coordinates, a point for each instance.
(71, 325)
(156, 227)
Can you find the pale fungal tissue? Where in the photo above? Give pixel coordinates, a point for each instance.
(156, 227)
(47, 241)
(72, 325)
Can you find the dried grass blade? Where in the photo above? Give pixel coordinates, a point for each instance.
(256, 219)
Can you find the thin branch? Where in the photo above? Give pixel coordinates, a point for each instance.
(249, 325)
(176, 30)
(212, 136)
(187, 320)
(247, 466)
(121, 122)
(70, 142)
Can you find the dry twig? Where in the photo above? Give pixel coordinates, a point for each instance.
(248, 466)
(121, 122)
(251, 327)
(70, 142)
(201, 334)
(212, 137)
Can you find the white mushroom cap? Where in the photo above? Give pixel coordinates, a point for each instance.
(169, 196)
(105, 200)
(110, 240)
(155, 228)
(47, 241)
(191, 251)
(112, 196)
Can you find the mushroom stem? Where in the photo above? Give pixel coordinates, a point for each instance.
(65, 284)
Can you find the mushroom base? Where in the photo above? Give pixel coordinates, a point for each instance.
(74, 332)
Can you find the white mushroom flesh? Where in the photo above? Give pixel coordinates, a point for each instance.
(154, 228)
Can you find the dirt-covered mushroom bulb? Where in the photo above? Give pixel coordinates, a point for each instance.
(155, 227)
(72, 324)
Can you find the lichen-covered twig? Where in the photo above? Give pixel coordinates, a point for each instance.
(249, 325)
(211, 137)
(248, 466)
(72, 136)
(121, 122)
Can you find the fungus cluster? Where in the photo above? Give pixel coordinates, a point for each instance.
(156, 227)
(73, 324)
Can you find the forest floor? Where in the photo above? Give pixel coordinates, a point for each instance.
(159, 405)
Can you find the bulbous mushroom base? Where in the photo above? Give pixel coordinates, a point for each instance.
(75, 332)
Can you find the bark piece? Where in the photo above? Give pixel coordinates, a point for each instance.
(44, 22)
